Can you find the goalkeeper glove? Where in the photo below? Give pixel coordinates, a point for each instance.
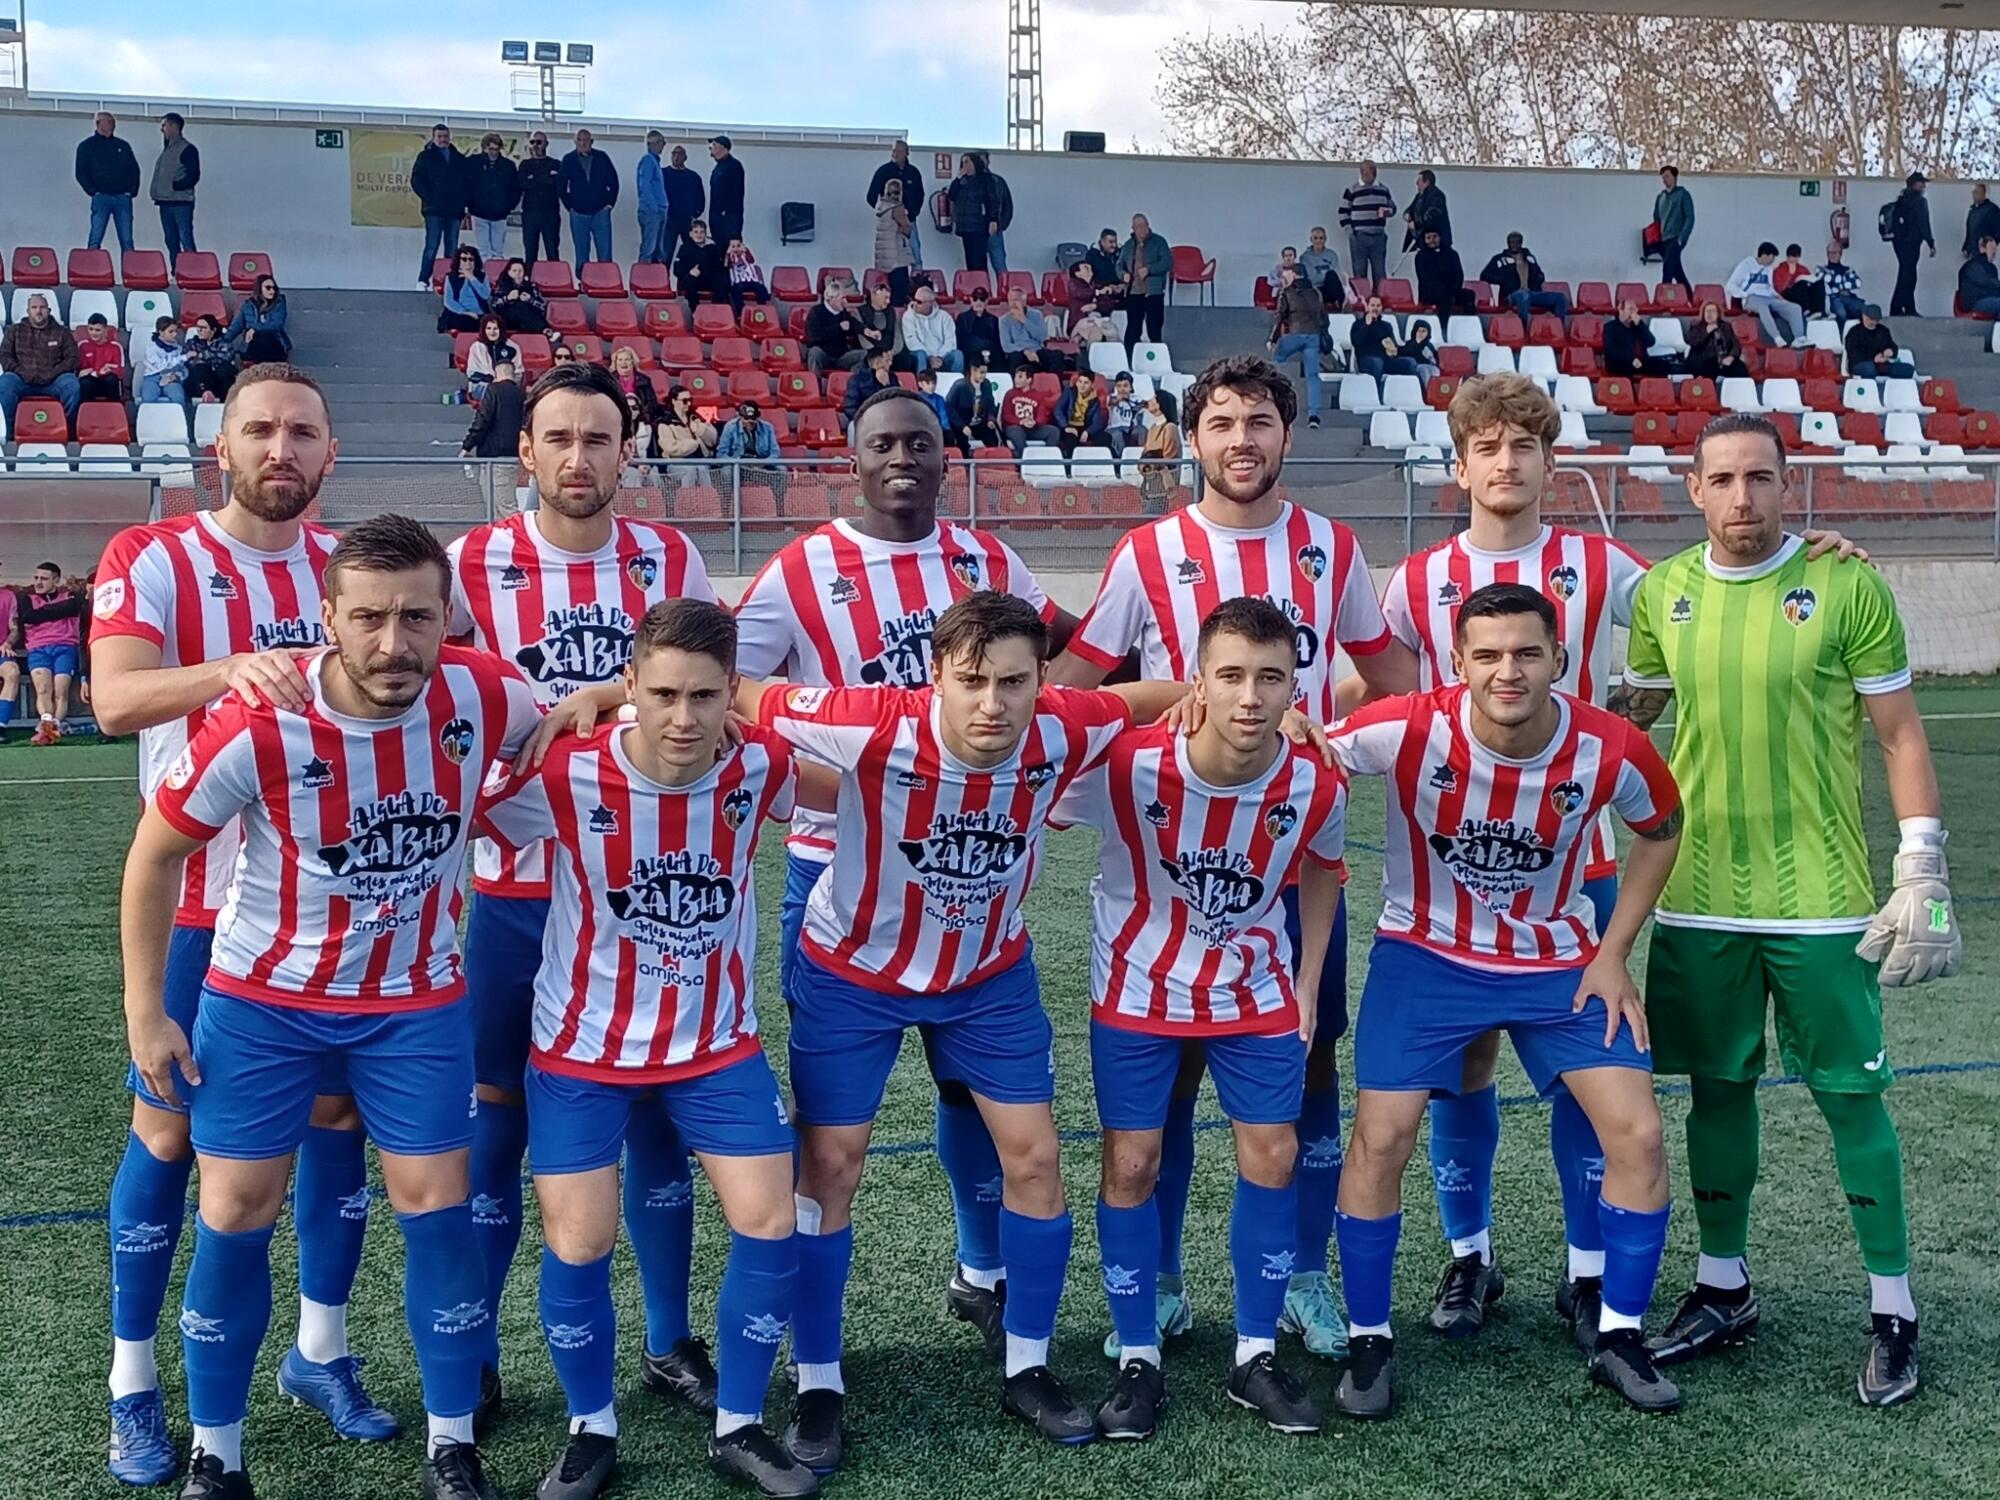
(1915, 935)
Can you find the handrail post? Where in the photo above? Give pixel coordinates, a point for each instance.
(736, 517)
(1811, 469)
(1409, 508)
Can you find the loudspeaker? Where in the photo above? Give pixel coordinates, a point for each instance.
(795, 223)
(1083, 140)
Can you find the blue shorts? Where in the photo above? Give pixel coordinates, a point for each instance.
(188, 951)
(579, 1124)
(1602, 893)
(1261, 1080)
(60, 661)
(1419, 1012)
(1332, 1023)
(800, 877)
(994, 1037)
(410, 1071)
(503, 953)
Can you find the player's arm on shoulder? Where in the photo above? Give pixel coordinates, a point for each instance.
(577, 714)
(1367, 741)
(131, 691)
(1149, 701)
(1099, 644)
(1642, 705)
(1822, 540)
(1641, 695)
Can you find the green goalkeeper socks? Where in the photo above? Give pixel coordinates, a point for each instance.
(1722, 1163)
(1870, 1159)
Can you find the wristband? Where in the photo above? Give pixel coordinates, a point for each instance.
(1919, 834)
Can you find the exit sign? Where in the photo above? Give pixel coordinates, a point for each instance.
(1809, 188)
(329, 140)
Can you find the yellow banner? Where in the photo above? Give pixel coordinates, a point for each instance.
(378, 164)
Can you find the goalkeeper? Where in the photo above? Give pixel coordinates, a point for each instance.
(1772, 659)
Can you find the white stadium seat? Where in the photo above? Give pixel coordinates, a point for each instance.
(1151, 358)
(1434, 430)
(1824, 333)
(1902, 395)
(1427, 464)
(106, 460)
(1668, 336)
(1107, 358)
(1958, 473)
(1993, 342)
(208, 414)
(1359, 393)
(1538, 360)
(1783, 395)
(167, 462)
(1175, 383)
(45, 460)
(83, 303)
(1740, 394)
(1495, 360)
(1863, 462)
(1042, 464)
(161, 422)
(1403, 393)
(1575, 393)
(144, 309)
(1572, 434)
(946, 379)
(1339, 328)
(1906, 460)
(1820, 429)
(1390, 429)
(1465, 332)
(1903, 427)
(1643, 453)
(1861, 395)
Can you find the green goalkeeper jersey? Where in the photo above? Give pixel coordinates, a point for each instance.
(1768, 665)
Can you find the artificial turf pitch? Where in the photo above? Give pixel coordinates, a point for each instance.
(1507, 1414)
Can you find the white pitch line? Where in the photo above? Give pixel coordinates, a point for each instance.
(65, 780)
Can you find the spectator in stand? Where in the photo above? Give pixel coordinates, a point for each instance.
(53, 616)
(1159, 458)
(100, 362)
(1102, 258)
(1910, 233)
(1427, 211)
(972, 415)
(1872, 351)
(212, 360)
(1024, 336)
(1124, 416)
(162, 372)
(833, 333)
(1752, 284)
(633, 382)
(1145, 265)
(108, 173)
(898, 169)
(894, 234)
(562, 354)
(1978, 283)
(1288, 259)
(1421, 350)
(11, 652)
(1025, 415)
(1628, 344)
(1441, 277)
(686, 200)
(877, 373)
(38, 357)
(520, 303)
(1080, 419)
(1516, 277)
(1319, 267)
(1713, 348)
(1798, 283)
(979, 334)
(1377, 347)
(260, 324)
(1673, 211)
(1298, 332)
(1981, 219)
(685, 436)
(746, 277)
(1079, 298)
(650, 187)
(492, 192)
(880, 328)
(1365, 211)
(1840, 283)
(974, 214)
(725, 192)
(1093, 326)
(176, 171)
(928, 332)
(751, 437)
(1003, 213)
(466, 294)
(496, 427)
(488, 352)
(700, 274)
(589, 192)
(438, 180)
(927, 388)
(540, 181)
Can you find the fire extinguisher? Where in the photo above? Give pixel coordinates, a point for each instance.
(1838, 223)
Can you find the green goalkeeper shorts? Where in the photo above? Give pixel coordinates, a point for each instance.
(1705, 1002)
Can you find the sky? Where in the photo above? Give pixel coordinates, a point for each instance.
(933, 68)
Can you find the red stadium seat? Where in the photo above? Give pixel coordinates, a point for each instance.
(602, 278)
(791, 284)
(779, 355)
(1616, 395)
(1439, 392)
(819, 428)
(664, 318)
(732, 353)
(1455, 361)
(35, 265)
(1863, 427)
(1982, 429)
(1485, 296)
(798, 390)
(1633, 291)
(102, 421)
(964, 283)
(714, 320)
(1948, 427)
(1783, 364)
(1192, 268)
(615, 319)
(1942, 394)
(828, 274)
(536, 356)
(1822, 364)
(1120, 500)
(652, 282)
(1787, 424)
(1656, 393)
(1561, 287)
(872, 278)
(1671, 298)
(461, 345)
(1025, 281)
(638, 343)
(1586, 331)
(1821, 395)
(90, 270)
(40, 419)
(1504, 330)
(247, 267)
(1748, 334)
(1262, 296)
(1048, 386)
(941, 285)
(704, 385)
(194, 304)
(749, 385)
(553, 278)
(795, 322)
(681, 351)
(1655, 427)
(566, 314)
(1361, 289)
(1547, 329)
(1055, 290)
(761, 320)
(143, 270)
(697, 502)
(836, 387)
(1397, 294)
(1698, 394)
(1576, 360)
(588, 347)
(1595, 297)
(197, 271)
(1710, 291)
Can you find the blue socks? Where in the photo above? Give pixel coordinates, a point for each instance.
(824, 1261)
(1465, 1137)
(1580, 1169)
(581, 1327)
(1318, 1176)
(1634, 1241)
(759, 1286)
(972, 1167)
(499, 1142)
(225, 1310)
(148, 1210)
(7, 707)
(445, 1299)
(330, 1207)
(659, 1217)
(1368, 1267)
(1036, 1254)
(1170, 1191)
(1263, 1235)
(1131, 1244)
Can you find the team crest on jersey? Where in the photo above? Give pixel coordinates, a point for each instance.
(1038, 776)
(392, 835)
(1156, 813)
(1563, 581)
(1443, 777)
(584, 643)
(221, 586)
(1566, 797)
(1312, 561)
(644, 571)
(841, 589)
(905, 658)
(736, 808)
(1799, 605)
(456, 740)
(965, 568)
(109, 598)
(1191, 574)
(1280, 820)
(1682, 612)
(272, 635)
(513, 578)
(315, 775)
(603, 819)
(1493, 857)
(1450, 593)
(1220, 884)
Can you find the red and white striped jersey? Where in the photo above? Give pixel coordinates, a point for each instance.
(651, 945)
(1484, 856)
(1188, 931)
(836, 608)
(1589, 577)
(200, 595)
(346, 895)
(566, 621)
(1164, 579)
(931, 857)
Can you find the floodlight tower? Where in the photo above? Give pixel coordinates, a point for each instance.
(1024, 75)
(555, 86)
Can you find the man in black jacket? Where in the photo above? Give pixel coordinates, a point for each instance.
(1517, 277)
(1981, 219)
(699, 272)
(686, 198)
(176, 172)
(725, 192)
(1626, 345)
(833, 334)
(539, 179)
(1441, 278)
(1909, 232)
(492, 189)
(108, 173)
(898, 168)
(979, 334)
(438, 180)
(496, 427)
(971, 412)
(1427, 211)
(1979, 280)
(589, 192)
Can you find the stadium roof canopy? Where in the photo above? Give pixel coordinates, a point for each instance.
(1975, 14)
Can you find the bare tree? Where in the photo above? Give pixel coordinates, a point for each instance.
(1345, 81)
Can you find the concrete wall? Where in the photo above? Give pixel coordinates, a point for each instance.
(267, 187)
